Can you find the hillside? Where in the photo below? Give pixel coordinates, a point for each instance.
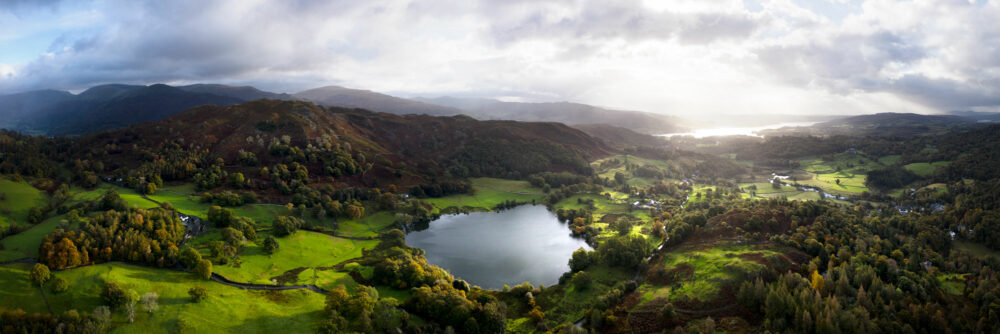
(403, 149)
(882, 124)
(563, 112)
(366, 99)
(244, 93)
(619, 137)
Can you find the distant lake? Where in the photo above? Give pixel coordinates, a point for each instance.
(490, 249)
(736, 131)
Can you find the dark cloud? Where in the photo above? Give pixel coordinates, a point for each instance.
(535, 49)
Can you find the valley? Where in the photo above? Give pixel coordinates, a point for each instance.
(691, 233)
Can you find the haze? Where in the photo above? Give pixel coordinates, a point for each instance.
(686, 58)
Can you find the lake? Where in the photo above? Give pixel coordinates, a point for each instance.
(490, 249)
(736, 131)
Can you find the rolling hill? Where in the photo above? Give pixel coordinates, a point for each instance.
(405, 149)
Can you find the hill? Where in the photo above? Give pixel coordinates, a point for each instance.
(244, 93)
(366, 99)
(619, 137)
(563, 112)
(882, 124)
(17, 109)
(404, 149)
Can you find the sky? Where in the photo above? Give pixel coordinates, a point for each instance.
(682, 57)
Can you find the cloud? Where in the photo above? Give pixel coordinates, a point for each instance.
(675, 57)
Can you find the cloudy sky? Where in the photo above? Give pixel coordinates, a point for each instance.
(684, 57)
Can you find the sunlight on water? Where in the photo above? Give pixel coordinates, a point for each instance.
(735, 131)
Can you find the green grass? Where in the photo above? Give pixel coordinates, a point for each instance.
(26, 244)
(952, 283)
(20, 197)
(565, 303)
(367, 226)
(699, 189)
(306, 249)
(925, 168)
(488, 193)
(849, 169)
(890, 159)
(227, 309)
(711, 268)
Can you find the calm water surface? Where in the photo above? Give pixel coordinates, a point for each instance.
(490, 249)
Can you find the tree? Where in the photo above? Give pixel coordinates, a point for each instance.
(220, 217)
(190, 257)
(816, 281)
(59, 285)
(355, 211)
(204, 269)
(150, 302)
(102, 314)
(39, 274)
(271, 244)
(582, 280)
(114, 295)
(198, 293)
(233, 237)
(285, 225)
(132, 298)
(581, 260)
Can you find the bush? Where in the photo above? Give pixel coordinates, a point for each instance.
(271, 244)
(114, 296)
(59, 285)
(198, 293)
(285, 225)
(204, 269)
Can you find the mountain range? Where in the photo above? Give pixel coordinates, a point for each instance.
(104, 107)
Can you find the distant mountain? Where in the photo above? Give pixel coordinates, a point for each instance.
(882, 124)
(562, 112)
(244, 93)
(16, 110)
(366, 99)
(619, 137)
(111, 106)
(979, 116)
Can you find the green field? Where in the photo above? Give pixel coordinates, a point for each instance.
(849, 169)
(27, 243)
(952, 283)
(488, 193)
(303, 249)
(368, 226)
(699, 189)
(925, 168)
(227, 309)
(766, 190)
(634, 160)
(890, 159)
(19, 197)
(699, 274)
